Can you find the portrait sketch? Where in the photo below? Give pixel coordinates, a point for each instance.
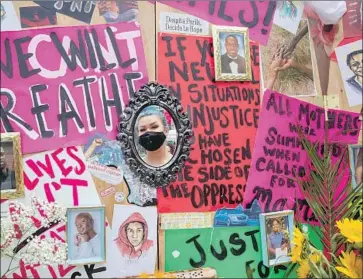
(356, 162)
(288, 15)
(11, 170)
(118, 11)
(134, 240)
(276, 236)
(293, 75)
(350, 60)
(155, 136)
(86, 235)
(231, 53)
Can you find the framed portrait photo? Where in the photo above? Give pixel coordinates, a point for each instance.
(11, 166)
(276, 236)
(356, 162)
(231, 53)
(86, 235)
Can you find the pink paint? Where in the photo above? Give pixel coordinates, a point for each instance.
(64, 271)
(256, 15)
(71, 151)
(62, 178)
(74, 183)
(61, 162)
(97, 82)
(278, 113)
(22, 270)
(48, 191)
(47, 167)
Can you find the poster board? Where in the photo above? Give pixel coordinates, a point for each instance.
(149, 38)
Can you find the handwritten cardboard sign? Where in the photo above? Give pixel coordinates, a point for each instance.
(224, 117)
(279, 157)
(256, 15)
(80, 10)
(352, 19)
(61, 85)
(235, 247)
(59, 175)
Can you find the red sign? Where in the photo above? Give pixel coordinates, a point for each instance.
(224, 116)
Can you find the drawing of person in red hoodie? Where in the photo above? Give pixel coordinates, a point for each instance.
(132, 237)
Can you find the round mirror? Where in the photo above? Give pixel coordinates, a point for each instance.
(155, 136)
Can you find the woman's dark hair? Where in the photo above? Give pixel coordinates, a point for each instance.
(172, 147)
(272, 220)
(350, 55)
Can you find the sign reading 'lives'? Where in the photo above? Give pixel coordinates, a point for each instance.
(80, 10)
(61, 85)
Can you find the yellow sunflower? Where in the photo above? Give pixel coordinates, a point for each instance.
(352, 265)
(297, 249)
(304, 269)
(351, 230)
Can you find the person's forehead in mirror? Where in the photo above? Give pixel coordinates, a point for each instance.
(151, 119)
(150, 123)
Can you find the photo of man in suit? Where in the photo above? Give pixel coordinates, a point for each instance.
(231, 61)
(7, 176)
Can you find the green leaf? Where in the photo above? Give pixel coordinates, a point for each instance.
(315, 270)
(290, 269)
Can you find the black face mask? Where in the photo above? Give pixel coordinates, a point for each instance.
(152, 141)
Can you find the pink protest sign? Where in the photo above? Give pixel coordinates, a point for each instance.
(61, 85)
(279, 156)
(256, 15)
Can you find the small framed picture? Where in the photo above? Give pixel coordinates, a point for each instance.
(356, 161)
(86, 235)
(11, 166)
(231, 53)
(276, 235)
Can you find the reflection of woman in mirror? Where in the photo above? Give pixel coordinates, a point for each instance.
(152, 130)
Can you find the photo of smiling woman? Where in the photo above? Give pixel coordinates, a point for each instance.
(86, 235)
(155, 136)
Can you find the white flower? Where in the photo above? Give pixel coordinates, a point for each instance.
(23, 221)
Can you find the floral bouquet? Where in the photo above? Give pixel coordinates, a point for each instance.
(314, 264)
(337, 208)
(22, 234)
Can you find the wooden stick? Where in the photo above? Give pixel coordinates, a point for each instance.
(289, 47)
(206, 272)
